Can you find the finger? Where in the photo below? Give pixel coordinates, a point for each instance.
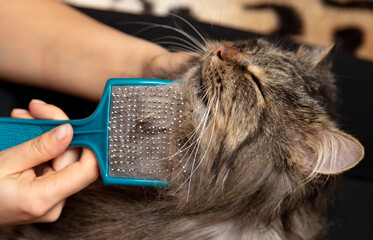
(78, 175)
(36, 151)
(42, 169)
(51, 198)
(42, 110)
(47, 111)
(53, 214)
(68, 157)
(21, 113)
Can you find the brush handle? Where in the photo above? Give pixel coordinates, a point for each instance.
(14, 131)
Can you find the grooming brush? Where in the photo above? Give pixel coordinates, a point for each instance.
(129, 132)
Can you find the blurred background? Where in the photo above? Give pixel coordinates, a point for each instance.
(348, 22)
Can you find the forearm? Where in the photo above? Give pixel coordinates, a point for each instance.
(48, 44)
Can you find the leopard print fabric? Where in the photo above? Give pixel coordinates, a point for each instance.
(323, 22)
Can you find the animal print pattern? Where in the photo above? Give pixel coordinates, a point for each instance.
(349, 23)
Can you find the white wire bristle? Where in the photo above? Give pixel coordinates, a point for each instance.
(142, 120)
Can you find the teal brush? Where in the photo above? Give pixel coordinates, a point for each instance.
(129, 132)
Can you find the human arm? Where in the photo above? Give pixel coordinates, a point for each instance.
(51, 45)
(37, 194)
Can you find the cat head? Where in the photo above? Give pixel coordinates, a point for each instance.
(261, 122)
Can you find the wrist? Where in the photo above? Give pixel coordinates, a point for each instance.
(138, 57)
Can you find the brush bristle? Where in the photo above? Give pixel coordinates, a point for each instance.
(142, 120)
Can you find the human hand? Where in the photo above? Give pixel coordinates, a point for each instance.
(159, 61)
(168, 62)
(33, 188)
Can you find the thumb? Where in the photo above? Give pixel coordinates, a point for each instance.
(38, 150)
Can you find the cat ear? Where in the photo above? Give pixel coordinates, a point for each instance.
(332, 152)
(326, 59)
(318, 56)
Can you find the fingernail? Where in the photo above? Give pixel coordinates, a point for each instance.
(19, 111)
(37, 101)
(61, 132)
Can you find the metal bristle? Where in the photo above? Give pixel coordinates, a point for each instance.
(142, 119)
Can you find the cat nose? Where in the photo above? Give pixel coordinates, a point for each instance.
(224, 52)
(218, 52)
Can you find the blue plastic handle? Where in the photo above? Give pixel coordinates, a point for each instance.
(15, 131)
(91, 132)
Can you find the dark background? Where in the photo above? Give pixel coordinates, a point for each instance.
(351, 216)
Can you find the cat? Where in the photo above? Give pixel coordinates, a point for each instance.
(264, 148)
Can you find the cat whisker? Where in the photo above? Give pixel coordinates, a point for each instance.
(222, 186)
(192, 146)
(175, 49)
(186, 146)
(201, 125)
(183, 47)
(278, 205)
(198, 140)
(204, 155)
(185, 164)
(204, 130)
(178, 49)
(190, 136)
(202, 92)
(191, 26)
(198, 49)
(203, 97)
(154, 25)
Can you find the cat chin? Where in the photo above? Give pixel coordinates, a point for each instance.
(192, 80)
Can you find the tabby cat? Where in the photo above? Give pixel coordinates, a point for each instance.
(263, 150)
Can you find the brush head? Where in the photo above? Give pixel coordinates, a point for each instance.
(143, 120)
